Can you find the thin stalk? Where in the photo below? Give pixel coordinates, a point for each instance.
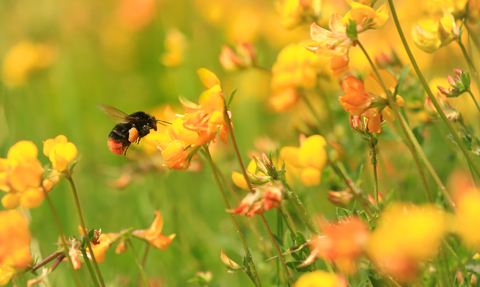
(82, 222)
(356, 192)
(474, 100)
(429, 92)
(460, 263)
(374, 151)
(404, 128)
(275, 244)
(286, 219)
(473, 36)
(46, 260)
(62, 238)
(314, 113)
(244, 171)
(294, 200)
(89, 266)
(255, 278)
(140, 267)
(57, 262)
(144, 260)
(443, 254)
(430, 167)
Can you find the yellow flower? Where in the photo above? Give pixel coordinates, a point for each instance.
(23, 59)
(284, 100)
(21, 176)
(60, 152)
(296, 12)
(153, 235)
(467, 223)
(405, 236)
(366, 16)
(239, 179)
(311, 157)
(6, 274)
(431, 34)
(104, 242)
(175, 46)
(15, 240)
(320, 278)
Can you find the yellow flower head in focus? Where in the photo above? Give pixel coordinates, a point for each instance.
(60, 152)
(15, 240)
(175, 46)
(297, 12)
(432, 34)
(467, 223)
(320, 278)
(405, 236)
(21, 176)
(311, 157)
(153, 235)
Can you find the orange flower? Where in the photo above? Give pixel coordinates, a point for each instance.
(104, 242)
(311, 157)
(243, 57)
(265, 198)
(342, 243)
(15, 240)
(21, 176)
(360, 97)
(153, 235)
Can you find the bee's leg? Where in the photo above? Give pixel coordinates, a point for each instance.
(125, 152)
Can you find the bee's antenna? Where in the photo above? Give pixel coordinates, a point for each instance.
(163, 122)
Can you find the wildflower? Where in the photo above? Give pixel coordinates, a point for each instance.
(284, 100)
(229, 263)
(243, 57)
(458, 84)
(15, 241)
(342, 243)
(6, 274)
(23, 59)
(404, 237)
(175, 46)
(369, 99)
(263, 199)
(60, 152)
(254, 176)
(340, 198)
(21, 176)
(104, 242)
(320, 278)
(153, 235)
(430, 34)
(296, 12)
(466, 221)
(335, 43)
(451, 113)
(311, 157)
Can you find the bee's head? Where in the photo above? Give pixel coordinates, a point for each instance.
(152, 123)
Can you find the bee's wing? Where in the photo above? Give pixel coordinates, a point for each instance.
(115, 115)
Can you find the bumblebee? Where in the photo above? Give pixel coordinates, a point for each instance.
(130, 128)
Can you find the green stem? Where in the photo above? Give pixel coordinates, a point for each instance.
(275, 244)
(373, 149)
(62, 238)
(144, 260)
(285, 218)
(314, 113)
(445, 262)
(140, 267)
(460, 263)
(89, 267)
(430, 167)
(429, 92)
(474, 100)
(394, 108)
(356, 192)
(82, 222)
(244, 171)
(294, 200)
(473, 36)
(249, 256)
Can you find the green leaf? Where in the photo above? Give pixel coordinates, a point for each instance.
(300, 238)
(417, 132)
(231, 97)
(293, 265)
(342, 213)
(352, 30)
(281, 243)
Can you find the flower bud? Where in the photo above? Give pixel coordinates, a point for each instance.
(52, 179)
(340, 198)
(229, 263)
(260, 165)
(258, 179)
(380, 198)
(122, 247)
(459, 84)
(272, 197)
(358, 124)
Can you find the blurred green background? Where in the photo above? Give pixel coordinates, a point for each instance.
(119, 53)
